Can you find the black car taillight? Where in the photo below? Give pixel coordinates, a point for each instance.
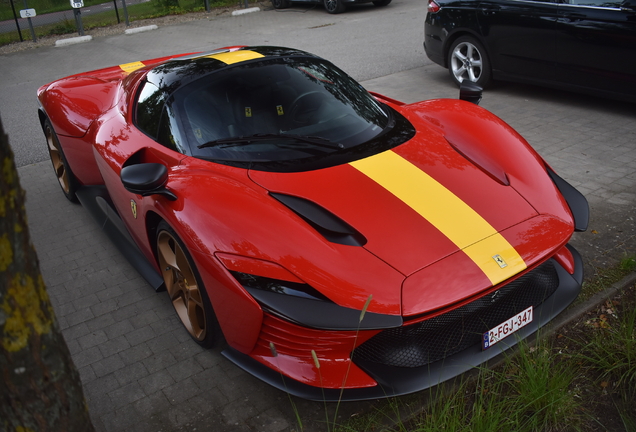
(433, 7)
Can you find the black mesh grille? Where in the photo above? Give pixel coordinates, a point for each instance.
(431, 340)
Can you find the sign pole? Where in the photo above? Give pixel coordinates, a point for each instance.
(76, 5)
(123, 2)
(116, 11)
(30, 23)
(17, 24)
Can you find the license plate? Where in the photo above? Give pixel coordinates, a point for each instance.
(507, 328)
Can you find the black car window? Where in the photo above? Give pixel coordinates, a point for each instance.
(169, 135)
(150, 102)
(281, 111)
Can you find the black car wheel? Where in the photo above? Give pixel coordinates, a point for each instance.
(280, 4)
(65, 176)
(380, 3)
(334, 6)
(187, 293)
(467, 60)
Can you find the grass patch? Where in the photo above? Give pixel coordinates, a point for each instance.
(41, 7)
(152, 9)
(531, 391)
(605, 277)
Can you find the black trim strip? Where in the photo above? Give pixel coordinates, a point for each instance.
(321, 314)
(397, 381)
(96, 200)
(576, 201)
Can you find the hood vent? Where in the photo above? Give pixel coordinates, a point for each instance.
(326, 223)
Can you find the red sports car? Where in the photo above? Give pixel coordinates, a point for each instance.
(335, 239)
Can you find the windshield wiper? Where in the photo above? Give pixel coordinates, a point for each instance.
(240, 140)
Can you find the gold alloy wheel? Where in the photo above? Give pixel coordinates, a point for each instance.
(58, 161)
(181, 285)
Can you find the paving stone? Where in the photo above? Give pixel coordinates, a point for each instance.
(87, 357)
(135, 354)
(184, 369)
(120, 420)
(181, 391)
(155, 402)
(156, 381)
(107, 365)
(114, 346)
(141, 335)
(127, 394)
(98, 337)
(159, 361)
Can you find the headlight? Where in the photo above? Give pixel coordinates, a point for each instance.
(304, 305)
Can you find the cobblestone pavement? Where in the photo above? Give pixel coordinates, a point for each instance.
(140, 369)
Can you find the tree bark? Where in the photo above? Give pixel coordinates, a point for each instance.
(40, 388)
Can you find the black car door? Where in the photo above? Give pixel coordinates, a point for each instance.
(520, 38)
(596, 43)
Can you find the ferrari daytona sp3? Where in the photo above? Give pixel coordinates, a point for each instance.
(306, 222)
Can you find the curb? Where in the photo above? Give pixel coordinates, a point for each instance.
(574, 312)
(141, 29)
(245, 11)
(73, 41)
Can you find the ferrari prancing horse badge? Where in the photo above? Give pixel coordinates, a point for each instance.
(133, 207)
(499, 260)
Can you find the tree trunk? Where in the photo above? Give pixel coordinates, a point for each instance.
(40, 388)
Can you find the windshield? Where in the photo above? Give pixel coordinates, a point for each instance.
(276, 110)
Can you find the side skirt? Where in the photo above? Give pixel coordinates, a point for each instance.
(96, 200)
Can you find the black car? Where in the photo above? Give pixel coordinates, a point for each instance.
(587, 46)
(331, 6)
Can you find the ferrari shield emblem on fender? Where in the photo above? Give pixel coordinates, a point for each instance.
(133, 207)
(499, 260)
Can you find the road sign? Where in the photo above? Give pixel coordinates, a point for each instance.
(77, 4)
(27, 13)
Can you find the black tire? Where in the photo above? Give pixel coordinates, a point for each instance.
(381, 3)
(334, 6)
(65, 177)
(280, 4)
(190, 300)
(467, 59)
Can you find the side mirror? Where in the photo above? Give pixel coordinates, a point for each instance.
(629, 6)
(470, 92)
(146, 179)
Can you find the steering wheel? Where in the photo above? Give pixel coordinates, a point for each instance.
(305, 106)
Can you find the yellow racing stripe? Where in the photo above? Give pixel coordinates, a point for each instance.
(470, 232)
(236, 56)
(131, 67)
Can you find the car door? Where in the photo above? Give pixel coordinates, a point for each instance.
(596, 44)
(519, 35)
(151, 139)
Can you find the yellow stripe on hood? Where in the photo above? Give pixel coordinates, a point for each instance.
(445, 211)
(236, 56)
(131, 67)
